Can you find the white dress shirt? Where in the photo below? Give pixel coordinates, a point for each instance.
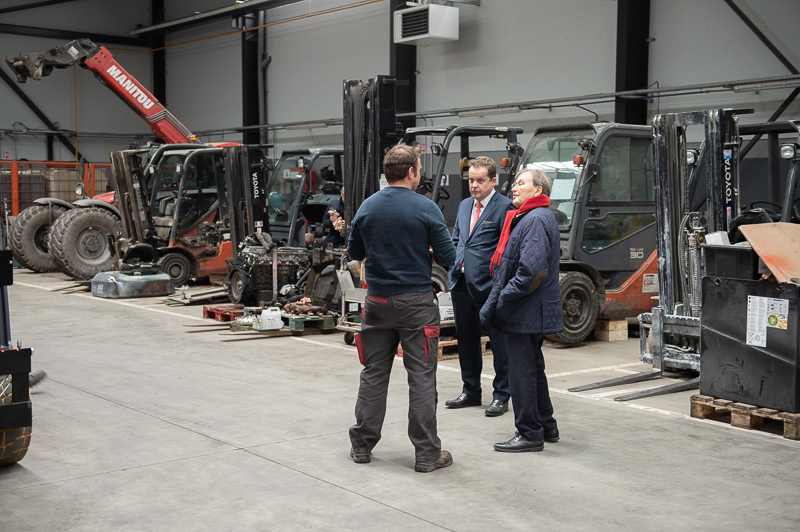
(483, 203)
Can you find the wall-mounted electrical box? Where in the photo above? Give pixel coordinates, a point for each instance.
(425, 24)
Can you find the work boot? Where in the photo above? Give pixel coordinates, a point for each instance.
(426, 466)
(360, 457)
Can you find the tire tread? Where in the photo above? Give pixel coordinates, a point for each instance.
(59, 242)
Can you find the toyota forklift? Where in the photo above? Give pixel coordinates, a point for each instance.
(603, 199)
(276, 212)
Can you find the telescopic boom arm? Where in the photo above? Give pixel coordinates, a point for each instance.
(99, 61)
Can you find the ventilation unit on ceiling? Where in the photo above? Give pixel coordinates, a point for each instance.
(426, 23)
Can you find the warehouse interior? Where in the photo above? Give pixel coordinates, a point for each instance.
(161, 414)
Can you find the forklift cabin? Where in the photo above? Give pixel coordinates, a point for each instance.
(300, 188)
(602, 197)
(174, 202)
(436, 144)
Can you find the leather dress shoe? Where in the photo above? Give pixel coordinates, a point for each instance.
(551, 436)
(519, 444)
(464, 400)
(497, 408)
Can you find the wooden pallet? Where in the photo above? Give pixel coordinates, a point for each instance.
(448, 349)
(611, 330)
(744, 415)
(223, 312)
(326, 322)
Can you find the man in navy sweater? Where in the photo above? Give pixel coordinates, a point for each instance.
(395, 229)
(478, 223)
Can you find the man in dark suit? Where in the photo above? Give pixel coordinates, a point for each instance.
(478, 224)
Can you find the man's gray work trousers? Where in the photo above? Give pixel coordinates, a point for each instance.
(413, 321)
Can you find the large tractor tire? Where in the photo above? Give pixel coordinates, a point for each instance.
(13, 442)
(29, 237)
(79, 243)
(178, 267)
(579, 306)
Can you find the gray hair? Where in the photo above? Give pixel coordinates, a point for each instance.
(538, 178)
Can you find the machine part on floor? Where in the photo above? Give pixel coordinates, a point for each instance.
(29, 236)
(118, 285)
(187, 298)
(79, 241)
(36, 378)
(675, 323)
(16, 418)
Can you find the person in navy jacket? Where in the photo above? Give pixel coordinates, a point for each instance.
(477, 230)
(525, 303)
(395, 230)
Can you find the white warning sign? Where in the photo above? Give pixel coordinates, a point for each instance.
(650, 283)
(756, 321)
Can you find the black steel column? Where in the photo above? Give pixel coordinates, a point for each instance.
(403, 66)
(158, 59)
(250, 71)
(633, 32)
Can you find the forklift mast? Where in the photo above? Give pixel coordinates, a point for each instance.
(370, 130)
(246, 177)
(99, 61)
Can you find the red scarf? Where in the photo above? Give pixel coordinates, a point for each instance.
(531, 203)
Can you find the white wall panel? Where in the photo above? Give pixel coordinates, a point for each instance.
(311, 57)
(204, 79)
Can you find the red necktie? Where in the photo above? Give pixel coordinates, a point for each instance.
(475, 218)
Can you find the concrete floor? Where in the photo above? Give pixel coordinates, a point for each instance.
(147, 424)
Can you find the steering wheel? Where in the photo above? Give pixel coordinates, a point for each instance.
(561, 218)
(443, 193)
(276, 202)
(768, 211)
(425, 184)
